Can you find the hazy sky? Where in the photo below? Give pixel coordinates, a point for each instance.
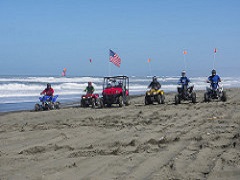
(43, 37)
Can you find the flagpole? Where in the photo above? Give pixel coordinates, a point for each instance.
(150, 69)
(214, 57)
(109, 68)
(149, 66)
(184, 59)
(185, 65)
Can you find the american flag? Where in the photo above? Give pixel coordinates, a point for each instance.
(114, 58)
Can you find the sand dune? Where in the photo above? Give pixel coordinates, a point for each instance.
(186, 141)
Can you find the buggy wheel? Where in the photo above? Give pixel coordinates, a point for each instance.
(194, 97)
(37, 107)
(177, 100)
(127, 101)
(206, 97)
(120, 99)
(224, 96)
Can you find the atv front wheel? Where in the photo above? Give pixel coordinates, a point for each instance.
(83, 103)
(93, 103)
(162, 99)
(194, 97)
(37, 107)
(224, 96)
(158, 99)
(177, 100)
(206, 97)
(57, 105)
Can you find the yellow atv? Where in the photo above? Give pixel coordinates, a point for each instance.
(154, 95)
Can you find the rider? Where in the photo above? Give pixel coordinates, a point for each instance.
(48, 91)
(89, 89)
(154, 84)
(214, 79)
(184, 80)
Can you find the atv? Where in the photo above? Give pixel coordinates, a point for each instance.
(47, 103)
(185, 93)
(215, 91)
(115, 91)
(154, 95)
(92, 100)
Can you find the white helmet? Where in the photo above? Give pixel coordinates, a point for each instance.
(183, 73)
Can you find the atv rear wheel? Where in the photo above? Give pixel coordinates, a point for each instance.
(100, 103)
(194, 97)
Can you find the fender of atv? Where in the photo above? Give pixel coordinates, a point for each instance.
(153, 92)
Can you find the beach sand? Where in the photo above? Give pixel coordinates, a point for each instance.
(186, 141)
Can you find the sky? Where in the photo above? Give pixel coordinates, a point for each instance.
(43, 37)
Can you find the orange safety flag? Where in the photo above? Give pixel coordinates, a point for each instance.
(215, 50)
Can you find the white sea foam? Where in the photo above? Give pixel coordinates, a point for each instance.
(27, 89)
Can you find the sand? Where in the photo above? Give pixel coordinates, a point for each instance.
(186, 141)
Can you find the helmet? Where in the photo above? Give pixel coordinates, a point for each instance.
(183, 73)
(154, 78)
(48, 85)
(213, 72)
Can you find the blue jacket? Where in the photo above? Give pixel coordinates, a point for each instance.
(214, 80)
(184, 81)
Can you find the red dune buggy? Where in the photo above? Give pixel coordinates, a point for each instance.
(115, 91)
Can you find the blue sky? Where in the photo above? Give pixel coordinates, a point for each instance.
(43, 37)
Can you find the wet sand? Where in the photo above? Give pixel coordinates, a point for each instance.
(186, 141)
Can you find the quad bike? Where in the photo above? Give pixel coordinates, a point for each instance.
(92, 100)
(215, 91)
(47, 103)
(154, 95)
(185, 93)
(115, 91)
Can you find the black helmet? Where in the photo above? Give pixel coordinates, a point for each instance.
(213, 72)
(48, 85)
(154, 78)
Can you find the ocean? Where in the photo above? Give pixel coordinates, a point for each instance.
(22, 92)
